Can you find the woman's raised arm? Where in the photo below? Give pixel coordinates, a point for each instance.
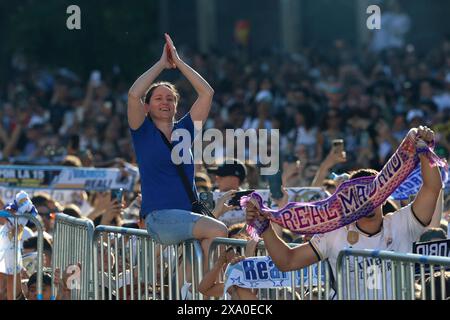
(136, 112)
(200, 108)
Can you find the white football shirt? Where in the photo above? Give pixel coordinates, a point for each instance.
(398, 232)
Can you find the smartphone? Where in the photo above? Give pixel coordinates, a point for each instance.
(235, 201)
(275, 185)
(207, 198)
(117, 194)
(338, 145)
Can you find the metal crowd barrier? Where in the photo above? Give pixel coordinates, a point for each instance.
(129, 265)
(306, 290)
(386, 275)
(16, 241)
(72, 254)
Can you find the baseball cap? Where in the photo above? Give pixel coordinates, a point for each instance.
(231, 167)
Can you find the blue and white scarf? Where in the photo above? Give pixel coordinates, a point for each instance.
(261, 273)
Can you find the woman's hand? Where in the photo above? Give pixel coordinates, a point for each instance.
(165, 59)
(333, 158)
(172, 54)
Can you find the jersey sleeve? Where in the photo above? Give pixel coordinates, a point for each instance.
(320, 245)
(405, 221)
(143, 129)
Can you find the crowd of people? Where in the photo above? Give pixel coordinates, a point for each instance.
(368, 100)
(311, 96)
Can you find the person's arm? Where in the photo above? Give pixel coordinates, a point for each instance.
(89, 96)
(291, 174)
(12, 143)
(209, 285)
(437, 215)
(62, 292)
(284, 257)
(425, 202)
(3, 135)
(136, 111)
(100, 205)
(319, 146)
(221, 206)
(113, 212)
(200, 108)
(330, 161)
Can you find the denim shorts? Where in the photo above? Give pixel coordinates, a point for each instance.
(171, 226)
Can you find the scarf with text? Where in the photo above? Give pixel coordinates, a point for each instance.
(353, 199)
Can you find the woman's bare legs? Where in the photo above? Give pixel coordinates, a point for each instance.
(206, 230)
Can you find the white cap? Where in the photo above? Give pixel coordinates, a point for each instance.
(263, 96)
(414, 113)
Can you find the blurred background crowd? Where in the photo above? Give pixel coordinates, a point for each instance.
(368, 99)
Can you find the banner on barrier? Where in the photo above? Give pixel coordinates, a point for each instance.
(440, 248)
(413, 183)
(60, 177)
(261, 273)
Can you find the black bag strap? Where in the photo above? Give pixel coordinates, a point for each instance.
(184, 179)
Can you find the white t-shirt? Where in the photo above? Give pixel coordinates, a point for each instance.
(399, 230)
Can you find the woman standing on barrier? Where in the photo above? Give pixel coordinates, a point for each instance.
(166, 206)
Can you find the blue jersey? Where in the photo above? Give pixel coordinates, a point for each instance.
(161, 185)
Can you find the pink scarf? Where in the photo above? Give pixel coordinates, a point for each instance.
(353, 199)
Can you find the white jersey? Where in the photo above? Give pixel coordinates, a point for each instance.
(399, 230)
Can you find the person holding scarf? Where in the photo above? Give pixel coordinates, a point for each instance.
(395, 232)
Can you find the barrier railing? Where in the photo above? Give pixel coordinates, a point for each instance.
(129, 265)
(16, 250)
(314, 282)
(72, 254)
(388, 275)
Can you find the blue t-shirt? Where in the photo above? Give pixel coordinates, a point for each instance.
(161, 185)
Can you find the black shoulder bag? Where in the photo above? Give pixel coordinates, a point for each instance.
(197, 205)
